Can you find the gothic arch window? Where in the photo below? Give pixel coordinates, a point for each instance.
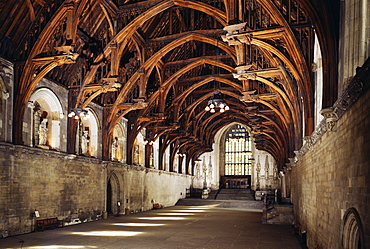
(238, 151)
(353, 232)
(318, 76)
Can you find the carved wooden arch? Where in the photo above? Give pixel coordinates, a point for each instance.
(149, 65)
(326, 29)
(215, 126)
(172, 80)
(215, 116)
(181, 98)
(298, 58)
(291, 107)
(127, 32)
(293, 45)
(191, 108)
(271, 107)
(26, 81)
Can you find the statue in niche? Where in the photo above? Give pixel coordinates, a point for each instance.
(43, 131)
(84, 142)
(267, 166)
(114, 148)
(136, 154)
(197, 169)
(36, 121)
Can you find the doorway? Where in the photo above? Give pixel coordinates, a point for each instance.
(109, 197)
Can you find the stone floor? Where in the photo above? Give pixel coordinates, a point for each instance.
(174, 227)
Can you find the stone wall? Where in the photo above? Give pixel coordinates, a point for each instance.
(332, 177)
(74, 188)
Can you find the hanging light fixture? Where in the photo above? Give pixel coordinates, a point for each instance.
(78, 113)
(216, 104)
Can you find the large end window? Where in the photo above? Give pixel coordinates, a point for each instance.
(238, 151)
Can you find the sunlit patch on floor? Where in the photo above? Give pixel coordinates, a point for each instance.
(161, 218)
(174, 214)
(188, 211)
(138, 224)
(59, 247)
(204, 207)
(108, 233)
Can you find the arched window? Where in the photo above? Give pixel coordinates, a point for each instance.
(238, 151)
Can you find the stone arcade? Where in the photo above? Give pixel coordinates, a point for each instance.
(102, 109)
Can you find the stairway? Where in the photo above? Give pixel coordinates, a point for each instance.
(234, 194)
(226, 198)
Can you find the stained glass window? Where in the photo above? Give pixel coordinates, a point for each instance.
(238, 151)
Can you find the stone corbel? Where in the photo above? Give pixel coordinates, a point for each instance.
(330, 116)
(298, 154)
(292, 161)
(309, 141)
(287, 167)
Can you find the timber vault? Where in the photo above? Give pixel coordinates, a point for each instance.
(157, 63)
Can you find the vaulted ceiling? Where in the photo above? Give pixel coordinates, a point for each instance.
(157, 63)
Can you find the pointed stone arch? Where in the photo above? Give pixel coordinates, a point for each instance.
(113, 194)
(353, 235)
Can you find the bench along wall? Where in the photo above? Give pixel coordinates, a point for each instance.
(74, 188)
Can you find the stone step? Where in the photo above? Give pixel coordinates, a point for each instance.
(235, 204)
(234, 194)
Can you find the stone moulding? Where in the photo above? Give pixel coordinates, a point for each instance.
(359, 85)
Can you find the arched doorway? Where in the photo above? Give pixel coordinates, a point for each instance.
(113, 194)
(353, 232)
(109, 197)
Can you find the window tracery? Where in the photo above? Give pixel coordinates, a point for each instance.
(238, 151)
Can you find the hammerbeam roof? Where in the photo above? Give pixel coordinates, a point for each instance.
(157, 63)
